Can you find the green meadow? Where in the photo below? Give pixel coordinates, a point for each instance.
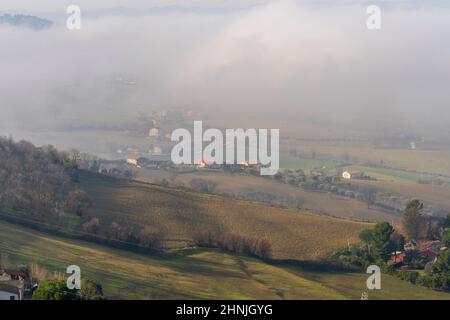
(192, 273)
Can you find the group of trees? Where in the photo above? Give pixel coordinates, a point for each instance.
(327, 183)
(436, 275)
(78, 202)
(146, 236)
(380, 242)
(445, 240)
(56, 289)
(40, 183)
(38, 180)
(418, 226)
(259, 248)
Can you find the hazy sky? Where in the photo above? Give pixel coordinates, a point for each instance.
(304, 59)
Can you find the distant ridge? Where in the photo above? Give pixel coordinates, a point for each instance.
(27, 21)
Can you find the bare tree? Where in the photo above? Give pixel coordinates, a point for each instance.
(78, 202)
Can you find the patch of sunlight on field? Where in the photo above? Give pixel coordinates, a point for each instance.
(282, 283)
(352, 285)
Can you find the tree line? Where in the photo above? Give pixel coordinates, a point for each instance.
(259, 248)
(143, 236)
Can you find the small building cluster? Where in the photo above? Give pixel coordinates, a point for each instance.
(160, 162)
(154, 163)
(418, 254)
(354, 174)
(134, 160)
(12, 284)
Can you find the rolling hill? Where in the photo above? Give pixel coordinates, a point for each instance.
(293, 233)
(193, 274)
(245, 185)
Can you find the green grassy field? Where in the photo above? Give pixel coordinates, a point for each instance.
(388, 174)
(352, 286)
(329, 166)
(430, 161)
(192, 274)
(289, 162)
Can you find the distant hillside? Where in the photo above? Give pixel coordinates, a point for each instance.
(40, 188)
(44, 189)
(27, 21)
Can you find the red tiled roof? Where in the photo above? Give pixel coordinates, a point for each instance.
(16, 273)
(428, 254)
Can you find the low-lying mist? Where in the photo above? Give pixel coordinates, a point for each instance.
(283, 61)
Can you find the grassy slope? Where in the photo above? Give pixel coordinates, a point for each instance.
(293, 233)
(196, 274)
(352, 285)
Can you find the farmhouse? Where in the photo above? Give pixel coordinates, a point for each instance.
(10, 274)
(429, 250)
(428, 255)
(201, 164)
(134, 160)
(397, 257)
(351, 174)
(9, 292)
(12, 284)
(433, 246)
(153, 132)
